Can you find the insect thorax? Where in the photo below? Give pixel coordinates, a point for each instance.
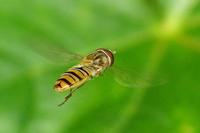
(96, 61)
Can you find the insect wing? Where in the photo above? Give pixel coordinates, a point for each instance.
(55, 54)
(133, 79)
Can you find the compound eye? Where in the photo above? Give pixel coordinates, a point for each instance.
(109, 55)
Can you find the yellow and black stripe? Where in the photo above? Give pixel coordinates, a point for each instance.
(83, 71)
(73, 76)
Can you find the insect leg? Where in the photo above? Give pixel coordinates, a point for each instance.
(69, 95)
(66, 98)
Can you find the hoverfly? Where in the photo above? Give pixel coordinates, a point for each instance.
(90, 66)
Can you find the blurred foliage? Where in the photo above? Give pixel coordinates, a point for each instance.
(154, 37)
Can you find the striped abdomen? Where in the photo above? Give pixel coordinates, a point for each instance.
(73, 78)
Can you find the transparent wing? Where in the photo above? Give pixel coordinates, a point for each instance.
(132, 79)
(55, 53)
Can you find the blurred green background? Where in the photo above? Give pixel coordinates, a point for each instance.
(158, 38)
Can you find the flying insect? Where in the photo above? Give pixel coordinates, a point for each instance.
(91, 66)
